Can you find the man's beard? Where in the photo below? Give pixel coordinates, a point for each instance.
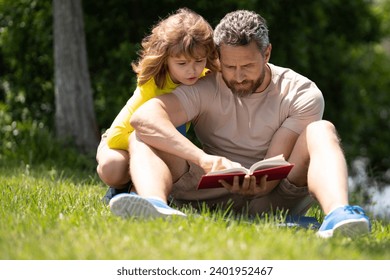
(246, 87)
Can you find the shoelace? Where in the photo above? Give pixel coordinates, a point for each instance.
(354, 210)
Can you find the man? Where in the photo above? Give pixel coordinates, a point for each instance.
(250, 111)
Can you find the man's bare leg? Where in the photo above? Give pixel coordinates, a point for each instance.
(318, 150)
(318, 154)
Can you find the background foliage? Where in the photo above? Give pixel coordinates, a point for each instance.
(336, 43)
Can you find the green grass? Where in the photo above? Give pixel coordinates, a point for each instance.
(48, 214)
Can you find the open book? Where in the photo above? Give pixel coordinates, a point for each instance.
(275, 168)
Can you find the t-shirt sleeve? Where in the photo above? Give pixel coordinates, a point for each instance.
(196, 98)
(304, 106)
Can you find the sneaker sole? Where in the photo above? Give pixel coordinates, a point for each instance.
(138, 207)
(349, 228)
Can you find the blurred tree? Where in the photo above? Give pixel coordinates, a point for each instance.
(26, 59)
(75, 115)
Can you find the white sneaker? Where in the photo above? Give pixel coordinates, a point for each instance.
(132, 205)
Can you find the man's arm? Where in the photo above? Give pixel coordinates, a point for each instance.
(155, 124)
(282, 142)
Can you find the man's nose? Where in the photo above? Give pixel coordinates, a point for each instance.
(240, 77)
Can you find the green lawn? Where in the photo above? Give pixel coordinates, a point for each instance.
(48, 214)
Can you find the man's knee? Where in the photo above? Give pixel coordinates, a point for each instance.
(320, 126)
(322, 130)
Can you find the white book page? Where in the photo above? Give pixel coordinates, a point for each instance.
(268, 163)
(230, 170)
(263, 164)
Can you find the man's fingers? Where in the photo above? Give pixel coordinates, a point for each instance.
(247, 187)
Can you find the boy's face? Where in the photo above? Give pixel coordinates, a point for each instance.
(243, 67)
(185, 70)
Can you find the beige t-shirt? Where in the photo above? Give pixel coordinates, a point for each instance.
(241, 128)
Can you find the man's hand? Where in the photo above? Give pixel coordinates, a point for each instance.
(213, 163)
(248, 186)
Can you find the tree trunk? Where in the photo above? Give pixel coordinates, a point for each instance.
(75, 115)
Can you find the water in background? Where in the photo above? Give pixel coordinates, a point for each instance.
(379, 196)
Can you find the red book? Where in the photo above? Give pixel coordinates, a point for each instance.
(276, 168)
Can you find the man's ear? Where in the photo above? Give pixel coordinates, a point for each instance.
(267, 53)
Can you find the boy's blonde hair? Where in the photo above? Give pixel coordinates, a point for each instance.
(183, 33)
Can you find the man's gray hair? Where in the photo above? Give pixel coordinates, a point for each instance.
(240, 27)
